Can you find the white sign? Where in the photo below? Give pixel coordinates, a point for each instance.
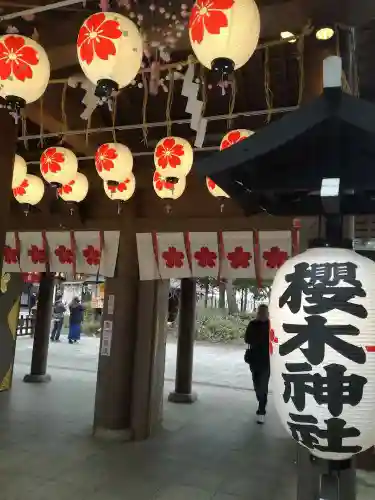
(111, 305)
(106, 338)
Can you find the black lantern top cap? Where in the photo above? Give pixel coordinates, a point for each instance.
(281, 167)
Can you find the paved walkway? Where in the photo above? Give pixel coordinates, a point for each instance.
(211, 450)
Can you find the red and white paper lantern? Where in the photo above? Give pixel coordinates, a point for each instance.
(58, 166)
(224, 33)
(24, 69)
(168, 190)
(30, 191)
(234, 137)
(19, 171)
(113, 161)
(215, 190)
(322, 341)
(76, 190)
(173, 157)
(122, 191)
(110, 50)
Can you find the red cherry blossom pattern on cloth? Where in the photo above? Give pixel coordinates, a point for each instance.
(37, 255)
(31, 277)
(66, 188)
(239, 258)
(272, 340)
(51, 161)
(64, 254)
(10, 255)
(21, 189)
(121, 186)
(173, 258)
(275, 257)
(205, 257)
(162, 183)
(232, 138)
(104, 158)
(95, 38)
(16, 59)
(208, 16)
(168, 153)
(92, 255)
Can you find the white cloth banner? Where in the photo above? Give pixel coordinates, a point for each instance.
(110, 253)
(10, 263)
(61, 253)
(148, 269)
(239, 256)
(33, 254)
(88, 251)
(173, 259)
(275, 248)
(205, 256)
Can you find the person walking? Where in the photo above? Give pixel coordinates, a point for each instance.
(58, 318)
(75, 320)
(258, 358)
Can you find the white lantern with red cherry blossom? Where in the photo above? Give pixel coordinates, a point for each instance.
(224, 33)
(173, 157)
(113, 162)
(30, 191)
(215, 190)
(58, 166)
(234, 136)
(24, 70)
(122, 191)
(110, 51)
(76, 190)
(19, 171)
(168, 190)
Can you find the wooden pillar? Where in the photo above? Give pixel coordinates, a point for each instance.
(38, 372)
(8, 134)
(185, 349)
(149, 365)
(113, 400)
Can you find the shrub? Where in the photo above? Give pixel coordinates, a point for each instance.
(91, 327)
(224, 329)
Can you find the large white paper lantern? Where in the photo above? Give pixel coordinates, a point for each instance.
(173, 157)
(166, 189)
(113, 161)
(19, 171)
(224, 33)
(58, 166)
(215, 190)
(122, 191)
(110, 50)
(30, 191)
(76, 190)
(24, 70)
(322, 340)
(233, 137)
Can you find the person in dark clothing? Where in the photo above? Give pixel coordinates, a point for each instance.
(257, 338)
(75, 320)
(58, 318)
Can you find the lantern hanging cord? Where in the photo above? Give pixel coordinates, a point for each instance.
(170, 102)
(144, 108)
(114, 113)
(41, 130)
(203, 88)
(232, 101)
(301, 68)
(267, 83)
(64, 117)
(24, 130)
(183, 121)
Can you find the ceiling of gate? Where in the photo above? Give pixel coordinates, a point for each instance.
(271, 79)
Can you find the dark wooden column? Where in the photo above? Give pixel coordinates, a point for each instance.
(8, 134)
(185, 349)
(38, 372)
(116, 358)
